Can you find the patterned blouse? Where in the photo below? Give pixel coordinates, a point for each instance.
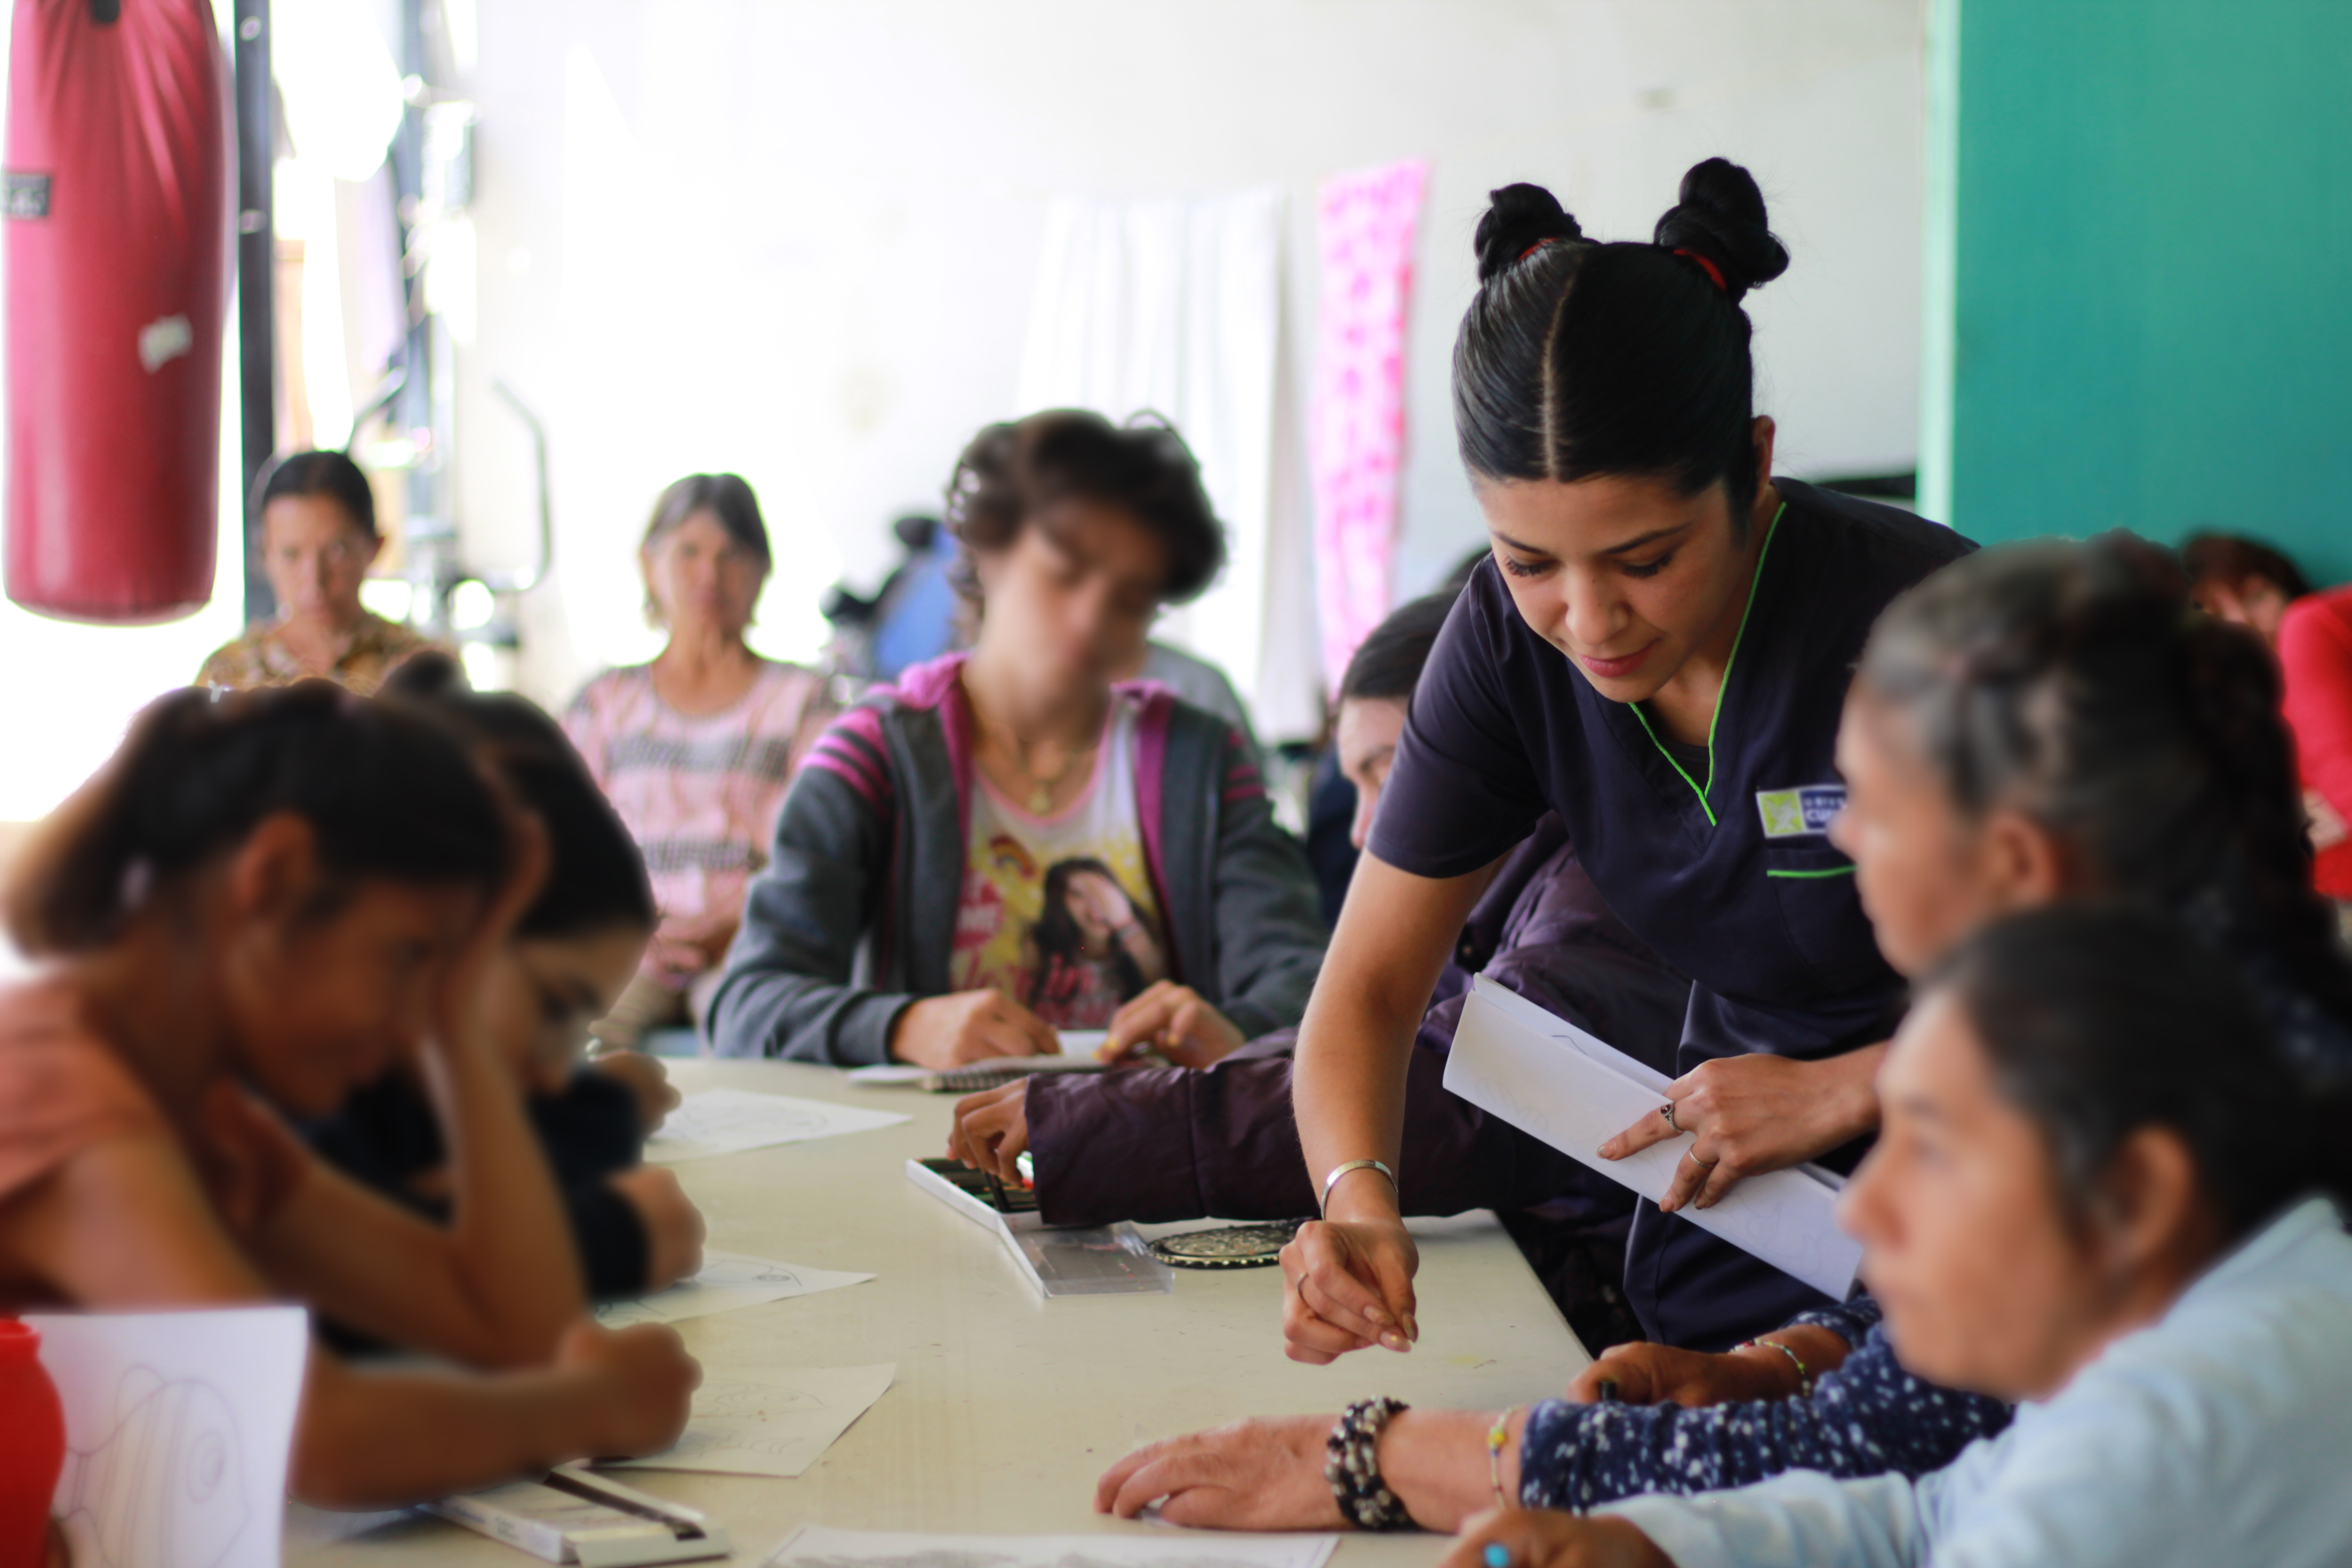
(261, 658)
(701, 792)
(1867, 1418)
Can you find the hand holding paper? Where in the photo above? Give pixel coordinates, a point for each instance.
(1755, 1113)
(1546, 1076)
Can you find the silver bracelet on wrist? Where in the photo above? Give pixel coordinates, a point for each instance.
(1339, 1171)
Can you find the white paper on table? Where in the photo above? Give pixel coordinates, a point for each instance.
(729, 1280)
(178, 1430)
(729, 1121)
(817, 1546)
(1545, 1076)
(768, 1421)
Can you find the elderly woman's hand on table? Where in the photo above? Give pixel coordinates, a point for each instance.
(1777, 1366)
(1252, 1475)
(1268, 1473)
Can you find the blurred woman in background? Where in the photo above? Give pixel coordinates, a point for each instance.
(695, 748)
(2246, 581)
(317, 539)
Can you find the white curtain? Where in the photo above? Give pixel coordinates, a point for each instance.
(1176, 307)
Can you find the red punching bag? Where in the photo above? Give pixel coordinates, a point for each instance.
(117, 201)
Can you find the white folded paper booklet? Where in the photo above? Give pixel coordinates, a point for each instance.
(1545, 1076)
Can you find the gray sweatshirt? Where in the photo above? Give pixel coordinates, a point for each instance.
(853, 918)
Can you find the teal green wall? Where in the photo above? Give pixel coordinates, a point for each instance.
(2139, 270)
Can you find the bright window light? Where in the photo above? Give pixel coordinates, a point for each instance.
(471, 605)
(387, 596)
(341, 90)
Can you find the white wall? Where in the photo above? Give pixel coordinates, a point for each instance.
(795, 238)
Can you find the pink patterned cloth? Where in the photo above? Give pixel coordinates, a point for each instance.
(1356, 430)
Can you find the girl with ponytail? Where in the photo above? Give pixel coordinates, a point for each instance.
(263, 902)
(1658, 651)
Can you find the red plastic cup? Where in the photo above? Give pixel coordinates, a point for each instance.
(32, 1444)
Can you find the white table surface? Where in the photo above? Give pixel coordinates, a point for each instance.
(1006, 1406)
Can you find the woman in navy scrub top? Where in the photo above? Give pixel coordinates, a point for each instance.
(1658, 650)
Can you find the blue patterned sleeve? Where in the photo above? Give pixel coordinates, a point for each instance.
(1851, 1320)
(1868, 1418)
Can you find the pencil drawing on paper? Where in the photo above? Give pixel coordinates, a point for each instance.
(164, 1487)
(734, 1270)
(741, 1397)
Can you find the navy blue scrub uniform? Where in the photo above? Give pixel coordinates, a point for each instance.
(1718, 859)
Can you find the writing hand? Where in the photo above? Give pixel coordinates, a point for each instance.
(1177, 1022)
(964, 1026)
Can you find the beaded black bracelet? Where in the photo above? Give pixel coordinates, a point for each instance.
(1351, 1464)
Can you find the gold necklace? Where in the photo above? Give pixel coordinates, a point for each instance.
(1041, 788)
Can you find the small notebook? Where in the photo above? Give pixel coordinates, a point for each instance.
(1104, 1260)
(997, 1074)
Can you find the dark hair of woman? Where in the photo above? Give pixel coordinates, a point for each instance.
(2076, 683)
(387, 792)
(2099, 1019)
(597, 874)
(730, 499)
(2229, 558)
(1062, 942)
(1387, 663)
(330, 474)
(1011, 473)
(1578, 358)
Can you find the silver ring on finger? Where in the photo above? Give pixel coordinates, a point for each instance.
(1667, 1111)
(1691, 1154)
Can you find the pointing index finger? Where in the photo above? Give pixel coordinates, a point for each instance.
(1652, 1129)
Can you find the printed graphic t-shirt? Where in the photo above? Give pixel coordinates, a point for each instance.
(1058, 911)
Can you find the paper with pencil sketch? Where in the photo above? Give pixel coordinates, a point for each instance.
(729, 1281)
(768, 1421)
(1545, 1076)
(178, 1427)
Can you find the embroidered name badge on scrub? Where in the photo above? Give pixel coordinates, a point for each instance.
(1800, 813)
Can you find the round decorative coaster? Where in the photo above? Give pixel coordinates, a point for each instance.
(1227, 1247)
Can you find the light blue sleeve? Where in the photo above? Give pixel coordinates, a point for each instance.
(1802, 1520)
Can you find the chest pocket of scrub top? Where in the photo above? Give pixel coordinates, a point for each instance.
(1814, 883)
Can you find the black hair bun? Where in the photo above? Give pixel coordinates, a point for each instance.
(1721, 217)
(1520, 216)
